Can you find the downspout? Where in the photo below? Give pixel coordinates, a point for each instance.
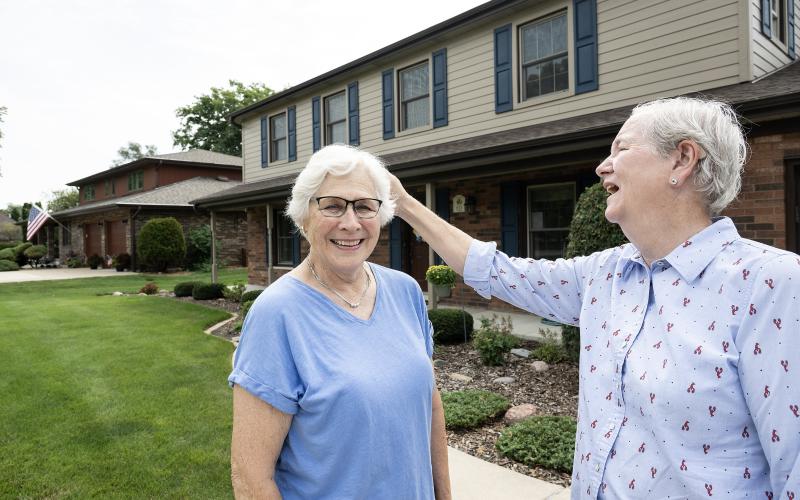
(213, 249)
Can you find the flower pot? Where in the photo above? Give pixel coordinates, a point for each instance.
(442, 290)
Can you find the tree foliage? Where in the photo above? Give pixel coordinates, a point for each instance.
(161, 244)
(62, 199)
(20, 214)
(133, 151)
(205, 124)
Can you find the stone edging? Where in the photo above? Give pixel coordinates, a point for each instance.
(211, 329)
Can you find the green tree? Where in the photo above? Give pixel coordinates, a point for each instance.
(161, 244)
(205, 124)
(133, 151)
(62, 199)
(20, 214)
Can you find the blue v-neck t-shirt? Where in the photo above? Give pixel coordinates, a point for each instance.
(359, 391)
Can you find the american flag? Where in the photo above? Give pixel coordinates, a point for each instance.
(36, 219)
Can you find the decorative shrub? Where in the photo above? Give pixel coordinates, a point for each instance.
(35, 253)
(208, 291)
(451, 326)
(9, 244)
(185, 288)
(74, 262)
(8, 265)
(234, 292)
(250, 296)
(122, 262)
(472, 408)
(19, 253)
(161, 244)
(549, 350)
(589, 232)
(7, 254)
(94, 261)
(545, 441)
(198, 247)
(441, 275)
(493, 340)
(150, 288)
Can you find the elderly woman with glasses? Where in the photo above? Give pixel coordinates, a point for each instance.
(334, 394)
(690, 342)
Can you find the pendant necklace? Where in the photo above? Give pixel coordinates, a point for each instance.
(353, 305)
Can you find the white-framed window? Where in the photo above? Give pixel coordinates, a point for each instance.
(550, 210)
(778, 20)
(277, 137)
(335, 113)
(413, 83)
(543, 56)
(136, 180)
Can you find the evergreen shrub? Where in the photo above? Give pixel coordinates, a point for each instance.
(545, 441)
(161, 244)
(7, 254)
(251, 295)
(94, 261)
(34, 253)
(208, 291)
(19, 253)
(9, 244)
(8, 265)
(185, 288)
(198, 247)
(451, 326)
(589, 232)
(472, 408)
(122, 262)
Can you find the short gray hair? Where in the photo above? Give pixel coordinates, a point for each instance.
(715, 127)
(338, 159)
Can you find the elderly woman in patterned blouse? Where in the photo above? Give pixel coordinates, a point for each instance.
(690, 334)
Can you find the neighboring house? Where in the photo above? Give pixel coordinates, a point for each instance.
(115, 204)
(498, 117)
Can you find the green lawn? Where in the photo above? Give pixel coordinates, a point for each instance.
(112, 397)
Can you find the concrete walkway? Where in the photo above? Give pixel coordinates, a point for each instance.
(63, 273)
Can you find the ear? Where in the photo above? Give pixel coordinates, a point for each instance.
(687, 156)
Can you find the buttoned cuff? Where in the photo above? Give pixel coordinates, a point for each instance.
(478, 266)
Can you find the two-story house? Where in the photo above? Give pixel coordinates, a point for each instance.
(497, 118)
(115, 204)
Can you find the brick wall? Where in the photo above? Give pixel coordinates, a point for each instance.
(231, 232)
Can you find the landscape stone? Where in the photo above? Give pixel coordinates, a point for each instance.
(439, 363)
(540, 366)
(117, 294)
(520, 412)
(504, 380)
(459, 377)
(522, 353)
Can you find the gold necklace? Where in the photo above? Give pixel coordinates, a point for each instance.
(353, 305)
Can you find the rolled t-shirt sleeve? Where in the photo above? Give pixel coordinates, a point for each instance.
(263, 363)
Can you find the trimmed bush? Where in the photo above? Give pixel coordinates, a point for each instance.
(34, 253)
(7, 254)
(149, 288)
(19, 253)
(493, 340)
(451, 325)
(185, 288)
(8, 265)
(472, 408)
(9, 244)
(208, 291)
(589, 232)
(234, 292)
(74, 262)
(94, 261)
(122, 262)
(161, 244)
(251, 295)
(545, 441)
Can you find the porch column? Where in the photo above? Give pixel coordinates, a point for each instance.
(268, 244)
(213, 249)
(430, 202)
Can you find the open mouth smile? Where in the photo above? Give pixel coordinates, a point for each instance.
(347, 244)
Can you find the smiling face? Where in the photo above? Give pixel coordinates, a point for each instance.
(637, 179)
(342, 244)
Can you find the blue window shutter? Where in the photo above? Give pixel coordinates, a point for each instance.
(509, 218)
(264, 142)
(291, 132)
(352, 113)
(439, 59)
(396, 244)
(503, 92)
(790, 33)
(442, 210)
(315, 130)
(585, 45)
(296, 249)
(766, 19)
(387, 103)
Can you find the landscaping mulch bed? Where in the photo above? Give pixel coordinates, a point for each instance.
(553, 392)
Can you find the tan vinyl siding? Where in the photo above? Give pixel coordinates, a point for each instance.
(646, 49)
(768, 55)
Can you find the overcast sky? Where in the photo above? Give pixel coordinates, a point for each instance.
(81, 78)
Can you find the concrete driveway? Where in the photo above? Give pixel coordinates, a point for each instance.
(65, 273)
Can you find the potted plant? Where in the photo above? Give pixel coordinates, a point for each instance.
(94, 261)
(122, 262)
(443, 279)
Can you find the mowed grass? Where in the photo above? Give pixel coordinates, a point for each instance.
(112, 397)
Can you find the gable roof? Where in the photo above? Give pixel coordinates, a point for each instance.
(175, 195)
(194, 157)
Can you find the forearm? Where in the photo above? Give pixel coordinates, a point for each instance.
(451, 243)
(249, 484)
(441, 471)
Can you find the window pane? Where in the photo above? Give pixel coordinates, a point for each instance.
(414, 82)
(335, 108)
(528, 44)
(550, 210)
(416, 113)
(336, 133)
(559, 34)
(531, 81)
(562, 73)
(547, 84)
(278, 126)
(544, 40)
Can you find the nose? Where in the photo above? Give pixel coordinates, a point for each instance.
(349, 219)
(604, 168)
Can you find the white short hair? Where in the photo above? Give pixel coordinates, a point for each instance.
(338, 159)
(715, 127)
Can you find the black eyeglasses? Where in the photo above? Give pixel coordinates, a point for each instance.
(333, 206)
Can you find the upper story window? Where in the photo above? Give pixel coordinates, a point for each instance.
(336, 119)
(778, 18)
(277, 140)
(544, 64)
(136, 180)
(415, 109)
(109, 188)
(88, 192)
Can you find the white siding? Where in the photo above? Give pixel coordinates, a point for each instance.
(768, 55)
(646, 49)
